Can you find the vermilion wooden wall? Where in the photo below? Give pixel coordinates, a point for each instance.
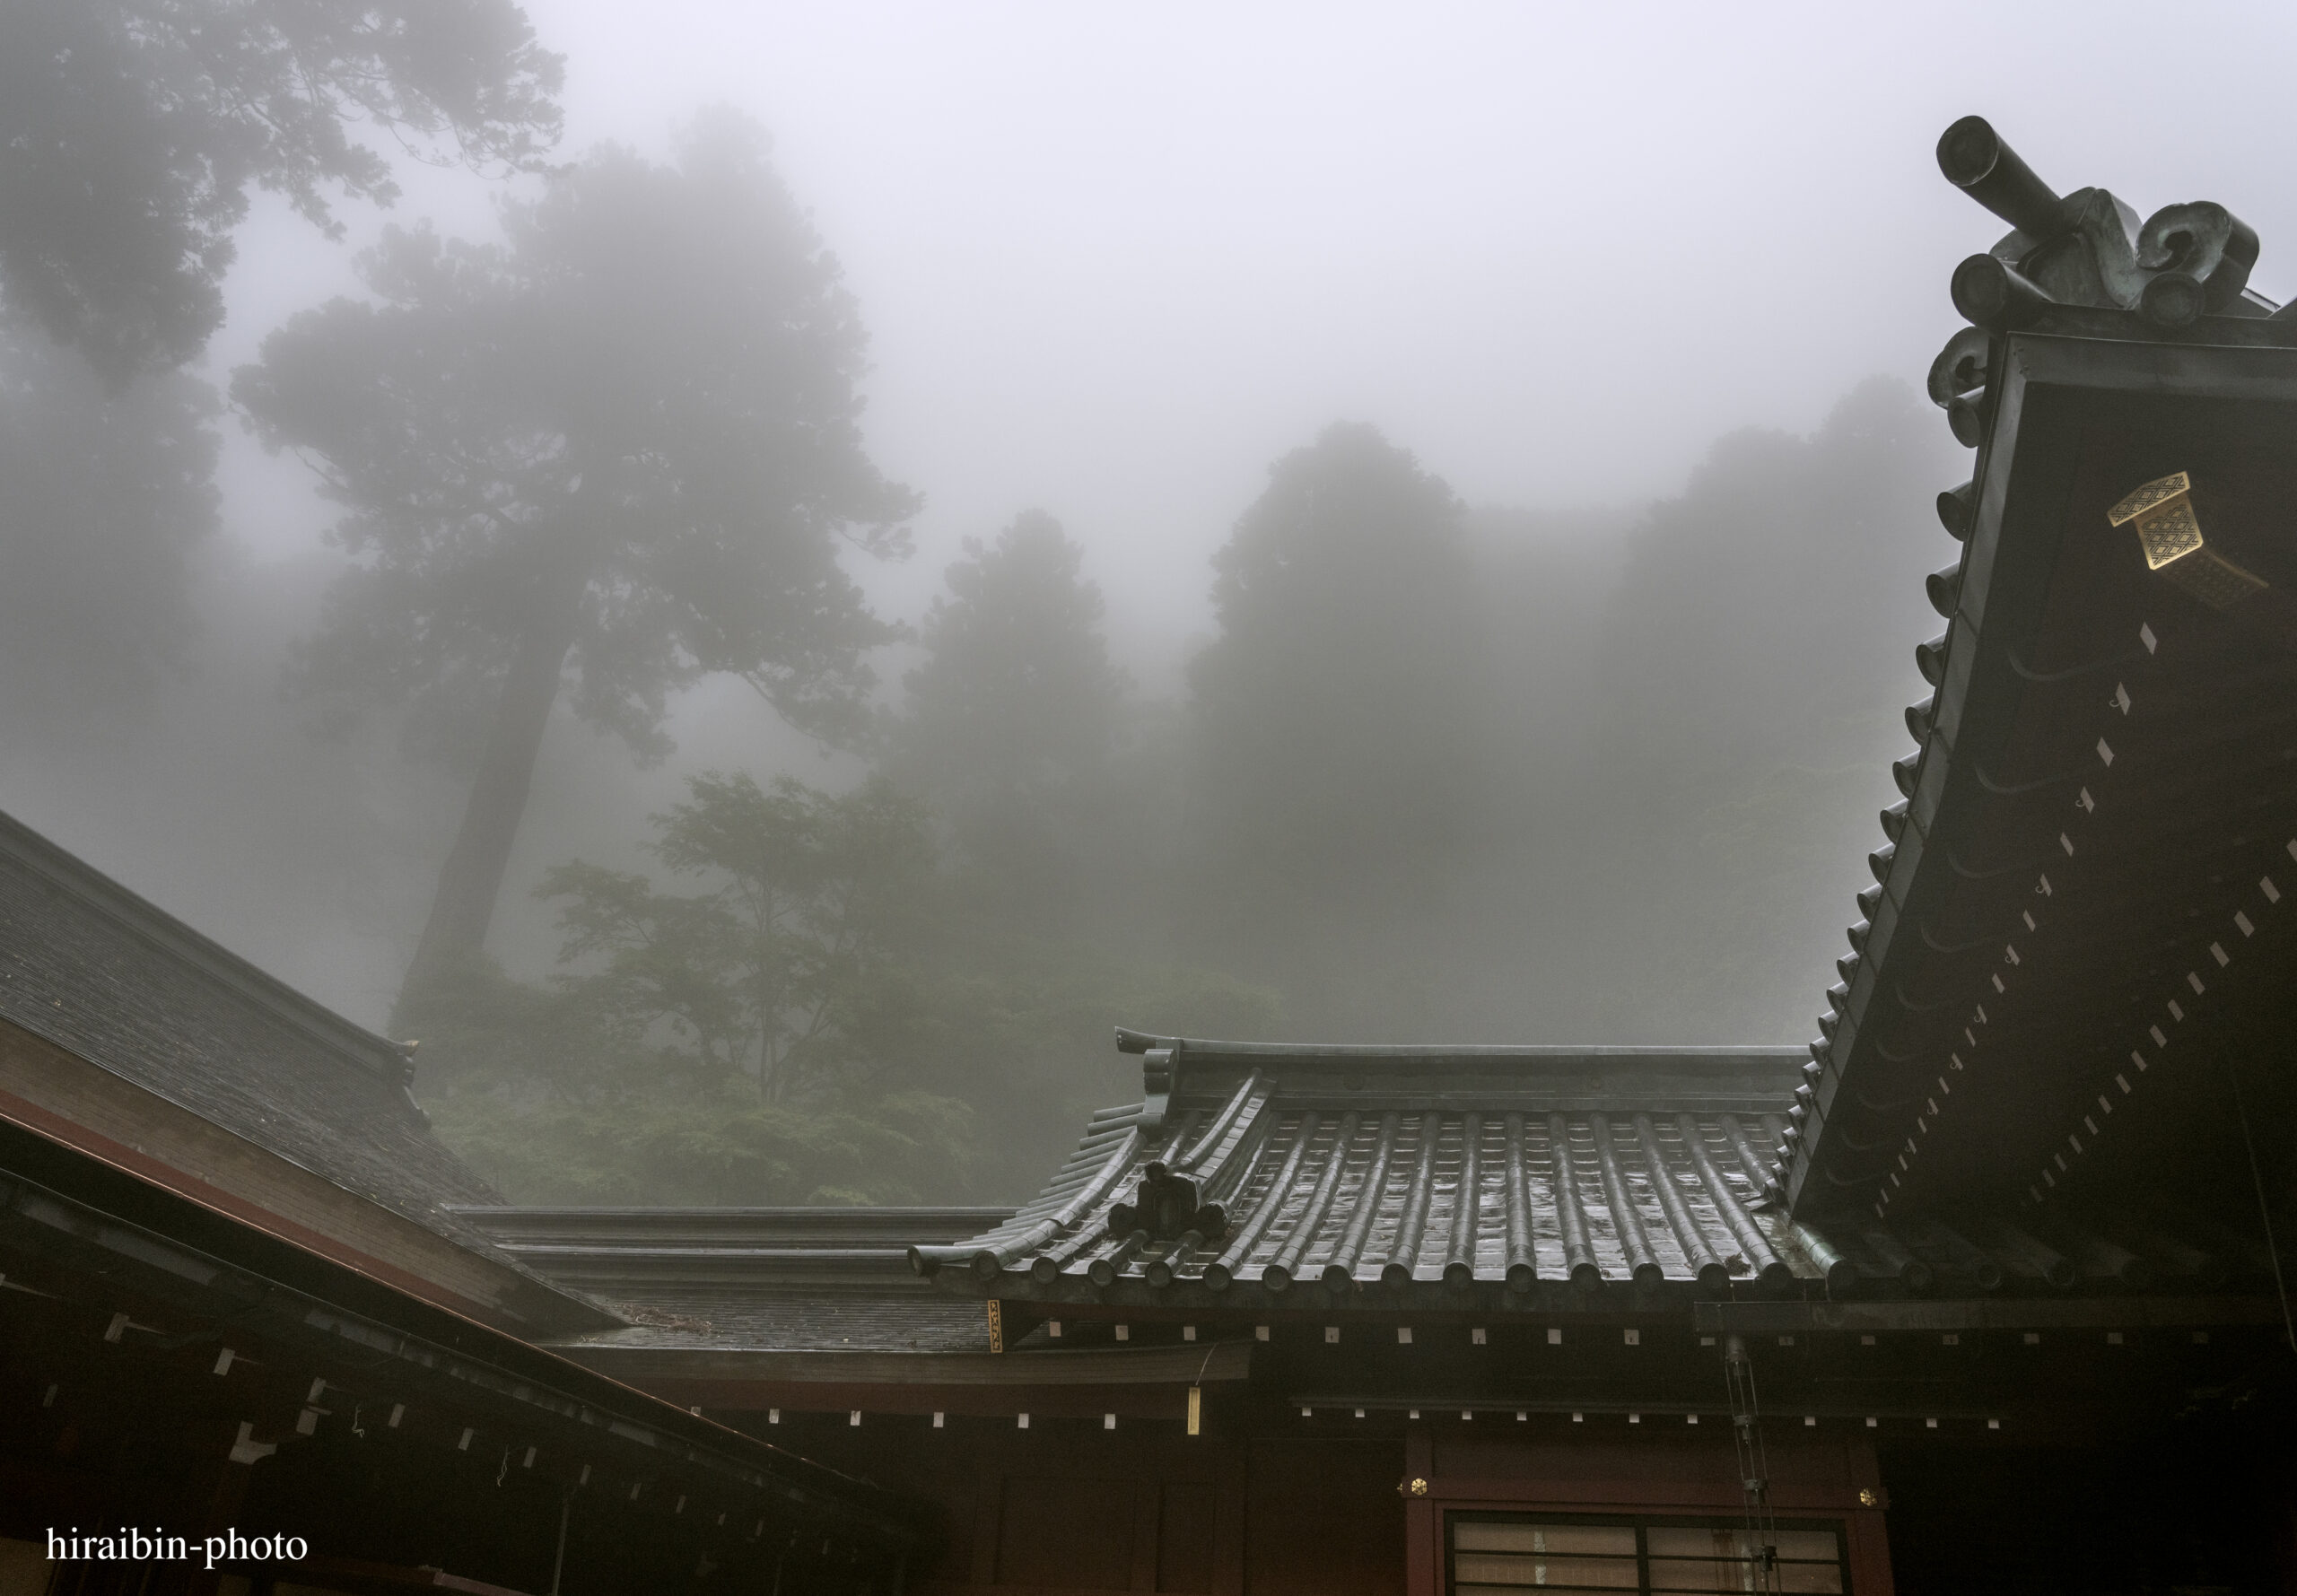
(1067, 1508)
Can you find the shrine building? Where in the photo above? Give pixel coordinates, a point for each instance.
(1985, 1289)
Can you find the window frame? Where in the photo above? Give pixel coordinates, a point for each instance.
(1642, 1523)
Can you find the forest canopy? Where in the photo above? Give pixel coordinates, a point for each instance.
(1436, 768)
(1417, 767)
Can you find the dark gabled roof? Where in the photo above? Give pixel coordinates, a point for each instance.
(812, 1306)
(1343, 1167)
(2082, 901)
(1603, 1178)
(90, 968)
(750, 1280)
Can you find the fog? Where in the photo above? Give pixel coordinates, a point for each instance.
(1622, 282)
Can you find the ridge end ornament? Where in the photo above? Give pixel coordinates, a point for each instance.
(1166, 1210)
(2085, 248)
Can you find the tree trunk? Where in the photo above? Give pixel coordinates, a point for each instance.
(463, 904)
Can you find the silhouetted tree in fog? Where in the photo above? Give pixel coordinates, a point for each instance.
(1013, 717)
(722, 1036)
(1341, 716)
(1754, 657)
(756, 977)
(131, 130)
(618, 452)
(105, 496)
(1742, 630)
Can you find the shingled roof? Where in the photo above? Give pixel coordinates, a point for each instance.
(1251, 1169)
(101, 975)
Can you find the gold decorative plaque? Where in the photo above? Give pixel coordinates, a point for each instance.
(2170, 533)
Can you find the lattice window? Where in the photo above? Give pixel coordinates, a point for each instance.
(1496, 1553)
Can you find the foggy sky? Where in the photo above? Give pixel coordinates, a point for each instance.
(1115, 262)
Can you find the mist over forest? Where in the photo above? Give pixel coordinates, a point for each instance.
(524, 630)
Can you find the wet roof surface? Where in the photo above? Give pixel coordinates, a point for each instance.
(1411, 1169)
(751, 1279)
(94, 969)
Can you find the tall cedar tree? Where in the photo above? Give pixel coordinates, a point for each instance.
(1340, 717)
(131, 131)
(1013, 716)
(616, 452)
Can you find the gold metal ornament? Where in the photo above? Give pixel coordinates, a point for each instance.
(2170, 533)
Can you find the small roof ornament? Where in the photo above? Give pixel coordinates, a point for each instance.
(2083, 249)
(2169, 532)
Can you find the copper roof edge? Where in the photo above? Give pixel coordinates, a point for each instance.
(1129, 1041)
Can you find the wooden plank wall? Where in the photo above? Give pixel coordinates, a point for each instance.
(1069, 1509)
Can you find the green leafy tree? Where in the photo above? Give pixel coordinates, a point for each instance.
(132, 130)
(759, 1036)
(1342, 716)
(1012, 720)
(793, 1008)
(614, 453)
(903, 1148)
(765, 974)
(109, 497)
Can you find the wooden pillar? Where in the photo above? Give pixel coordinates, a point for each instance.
(1232, 1479)
(2280, 1491)
(1147, 1528)
(988, 1511)
(1423, 1555)
(1865, 1526)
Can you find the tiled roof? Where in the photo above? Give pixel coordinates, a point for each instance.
(1415, 1171)
(1321, 1178)
(750, 1280)
(94, 969)
(2078, 908)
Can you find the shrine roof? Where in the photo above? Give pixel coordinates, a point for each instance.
(89, 968)
(749, 1279)
(1417, 1170)
(2076, 915)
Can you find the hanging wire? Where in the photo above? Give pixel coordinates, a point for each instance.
(1754, 1467)
(2257, 1178)
(565, 1512)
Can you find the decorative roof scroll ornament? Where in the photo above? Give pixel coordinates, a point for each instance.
(1165, 1205)
(2087, 249)
(2079, 267)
